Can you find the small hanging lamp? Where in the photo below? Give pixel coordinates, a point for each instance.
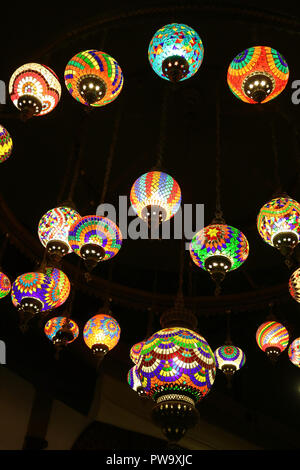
(135, 351)
(294, 352)
(134, 382)
(272, 338)
(61, 331)
(101, 334)
(5, 285)
(6, 144)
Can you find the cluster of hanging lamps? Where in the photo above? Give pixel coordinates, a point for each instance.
(294, 352)
(53, 230)
(6, 144)
(101, 334)
(34, 89)
(61, 331)
(272, 338)
(155, 197)
(258, 74)
(95, 238)
(229, 358)
(93, 78)
(5, 285)
(177, 369)
(176, 52)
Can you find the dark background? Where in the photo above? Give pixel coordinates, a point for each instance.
(144, 275)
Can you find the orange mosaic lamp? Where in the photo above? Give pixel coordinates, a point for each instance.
(93, 78)
(61, 331)
(258, 74)
(101, 334)
(6, 144)
(272, 338)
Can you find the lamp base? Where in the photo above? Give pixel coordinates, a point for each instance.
(217, 266)
(258, 86)
(154, 215)
(29, 106)
(285, 242)
(175, 68)
(92, 88)
(28, 308)
(228, 369)
(92, 254)
(273, 352)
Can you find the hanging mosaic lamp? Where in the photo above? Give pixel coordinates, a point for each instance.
(294, 285)
(93, 78)
(177, 369)
(101, 334)
(53, 231)
(61, 331)
(135, 351)
(155, 197)
(134, 381)
(294, 352)
(272, 338)
(62, 286)
(95, 239)
(5, 285)
(229, 358)
(218, 249)
(278, 223)
(6, 144)
(175, 52)
(258, 74)
(34, 89)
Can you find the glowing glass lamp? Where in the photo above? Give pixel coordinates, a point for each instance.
(294, 285)
(61, 331)
(134, 381)
(34, 89)
(177, 369)
(95, 239)
(272, 338)
(53, 230)
(135, 351)
(218, 249)
(93, 78)
(294, 352)
(278, 223)
(155, 197)
(229, 358)
(5, 285)
(175, 52)
(101, 334)
(59, 294)
(258, 74)
(6, 144)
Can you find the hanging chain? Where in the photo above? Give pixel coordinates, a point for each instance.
(163, 126)
(218, 212)
(278, 185)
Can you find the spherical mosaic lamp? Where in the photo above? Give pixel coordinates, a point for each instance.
(6, 144)
(61, 290)
(101, 334)
(294, 285)
(95, 239)
(272, 338)
(218, 249)
(61, 331)
(53, 230)
(5, 285)
(93, 78)
(155, 197)
(176, 52)
(177, 369)
(294, 352)
(229, 358)
(258, 74)
(135, 351)
(278, 223)
(134, 381)
(34, 89)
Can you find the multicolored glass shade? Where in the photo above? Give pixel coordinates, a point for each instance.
(102, 330)
(294, 352)
(57, 324)
(279, 216)
(61, 290)
(55, 225)
(93, 78)
(272, 335)
(35, 285)
(258, 74)
(135, 351)
(294, 285)
(229, 358)
(96, 230)
(219, 240)
(156, 189)
(133, 379)
(6, 144)
(35, 85)
(176, 41)
(5, 285)
(176, 362)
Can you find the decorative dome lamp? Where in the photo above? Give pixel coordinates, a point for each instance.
(294, 352)
(5, 285)
(177, 369)
(175, 52)
(258, 74)
(93, 78)
(34, 89)
(135, 383)
(272, 338)
(155, 197)
(53, 231)
(61, 331)
(278, 224)
(294, 285)
(101, 334)
(6, 144)
(135, 351)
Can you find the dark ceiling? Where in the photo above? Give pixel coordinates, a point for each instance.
(42, 168)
